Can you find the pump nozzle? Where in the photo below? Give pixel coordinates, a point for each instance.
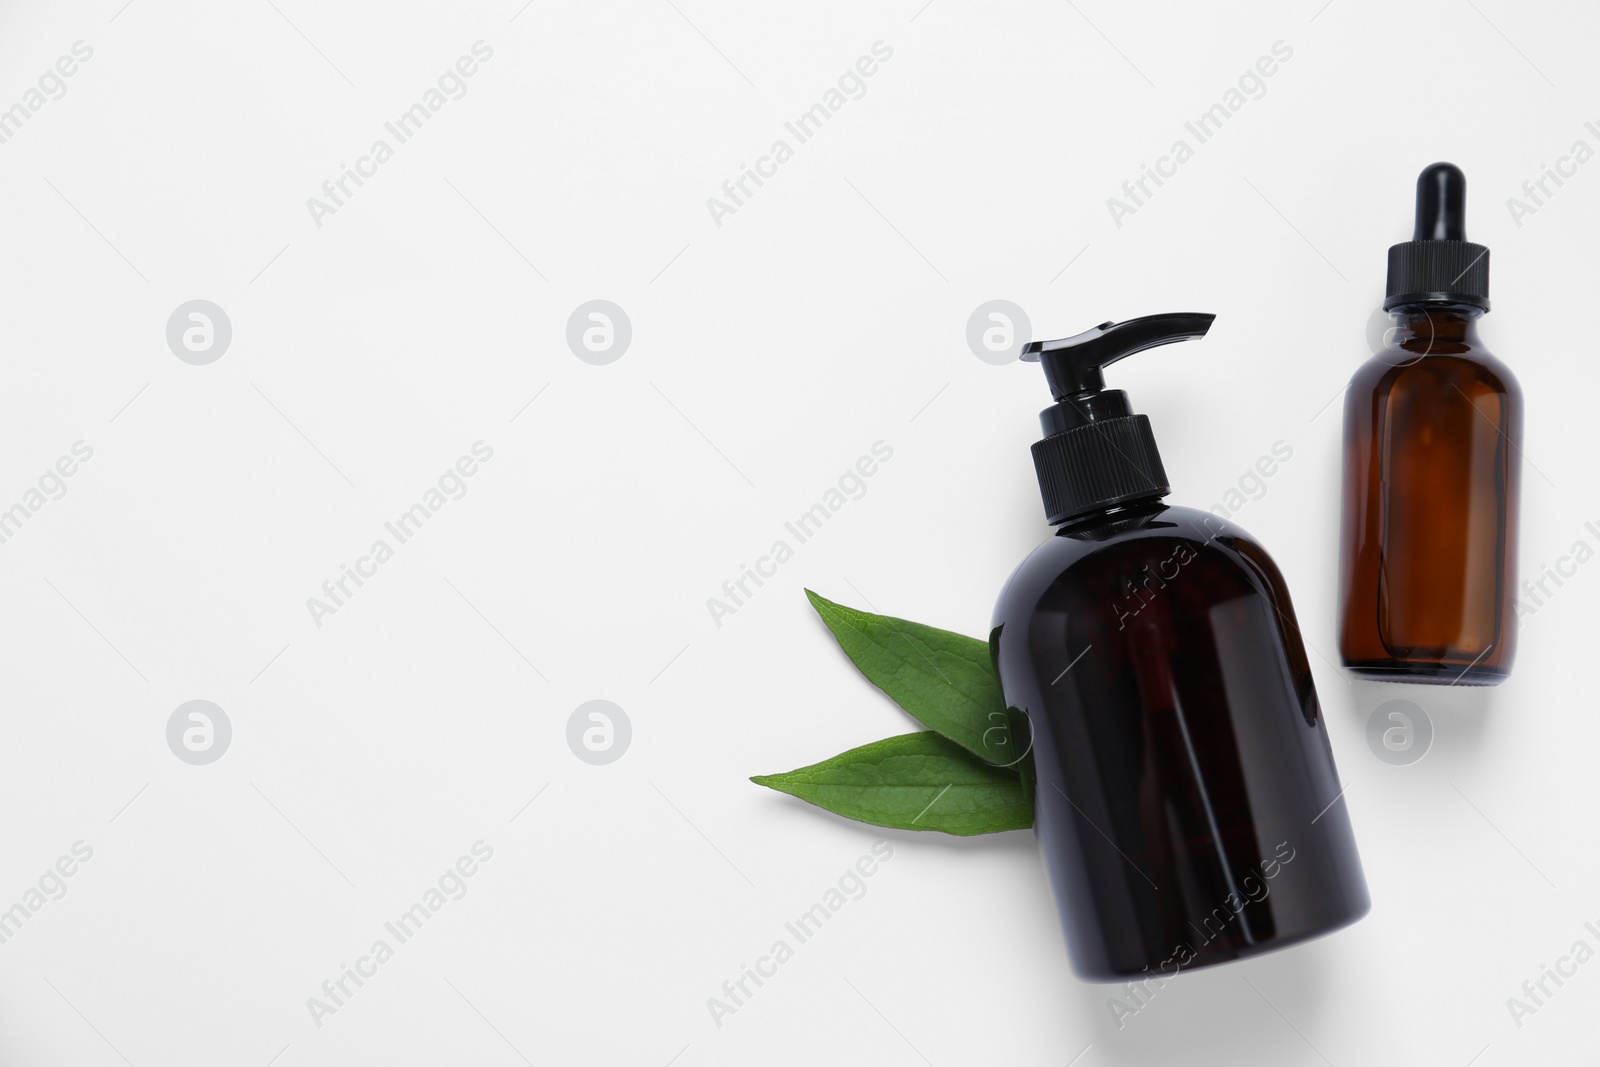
(1072, 365)
(1096, 452)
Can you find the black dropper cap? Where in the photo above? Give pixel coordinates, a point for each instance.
(1096, 452)
(1439, 265)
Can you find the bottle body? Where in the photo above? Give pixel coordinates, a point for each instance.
(1185, 793)
(1432, 477)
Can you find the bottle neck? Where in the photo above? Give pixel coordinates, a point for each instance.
(1111, 517)
(1427, 327)
(1070, 412)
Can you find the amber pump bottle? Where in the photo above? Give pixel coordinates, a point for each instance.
(1432, 469)
(1185, 795)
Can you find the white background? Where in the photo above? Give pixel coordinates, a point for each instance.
(768, 354)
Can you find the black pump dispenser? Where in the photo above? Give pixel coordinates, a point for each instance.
(1439, 265)
(1148, 654)
(1096, 452)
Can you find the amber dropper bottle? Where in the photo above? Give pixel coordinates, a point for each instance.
(1432, 469)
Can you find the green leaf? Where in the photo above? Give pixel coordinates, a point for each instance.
(915, 781)
(943, 680)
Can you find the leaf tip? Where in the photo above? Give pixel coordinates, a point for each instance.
(830, 612)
